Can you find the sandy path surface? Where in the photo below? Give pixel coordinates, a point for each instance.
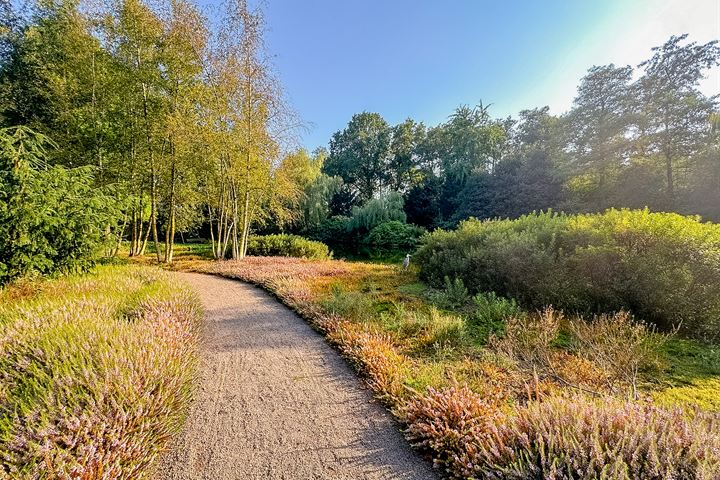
(276, 402)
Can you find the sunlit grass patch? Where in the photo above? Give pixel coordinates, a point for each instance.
(95, 373)
(702, 392)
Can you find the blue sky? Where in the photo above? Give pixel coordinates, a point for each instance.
(422, 58)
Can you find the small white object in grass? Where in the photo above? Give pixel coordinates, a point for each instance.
(406, 261)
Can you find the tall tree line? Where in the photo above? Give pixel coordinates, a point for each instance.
(634, 137)
(182, 117)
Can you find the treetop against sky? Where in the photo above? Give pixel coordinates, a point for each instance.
(421, 59)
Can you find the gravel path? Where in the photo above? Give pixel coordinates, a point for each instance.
(276, 402)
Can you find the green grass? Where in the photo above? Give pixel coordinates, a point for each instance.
(693, 375)
(95, 372)
(184, 251)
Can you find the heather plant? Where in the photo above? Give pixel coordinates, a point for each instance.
(90, 386)
(583, 438)
(449, 421)
(375, 356)
(475, 436)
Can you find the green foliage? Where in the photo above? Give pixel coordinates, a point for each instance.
(663, 267)
(284, 245)
(358, 155)
(96, 373)
(377, 211)
(353, 305)
(490, 313)
(315, 204)
(332, 231)
(393, 236)
(455, 295)
(51, 218)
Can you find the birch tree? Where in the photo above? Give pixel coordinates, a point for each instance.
(247, 115)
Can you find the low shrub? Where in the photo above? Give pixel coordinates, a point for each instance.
(530, 339)
(92, 387)
(450, 422)
(608, 353)
(375, 356)
(284, 245)
(663, 267)
(491, 312)
(455, 295)
(583, 438)
(620, 346)
(563, 438)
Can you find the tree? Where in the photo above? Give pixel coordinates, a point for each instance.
(376, 211)
(404, 164)
(246, 110)
(291, 180)
(184, 44)
(360, 154)
(673, 113)
(51, 218)
(597, 126)
(135, 37)
(469, 141)
(422, 202)
(704, 193)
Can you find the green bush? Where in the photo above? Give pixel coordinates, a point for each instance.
(287, 246)
(663, 267)
(491, 312)
(455, 294)
(394, 235)
(51, 219)
(333, 231)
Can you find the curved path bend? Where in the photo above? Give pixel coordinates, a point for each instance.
(276, 402)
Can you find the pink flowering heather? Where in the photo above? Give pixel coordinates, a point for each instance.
(94, 382)
(564, 438)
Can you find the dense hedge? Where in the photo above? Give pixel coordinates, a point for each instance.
(663, 267)
(394, 235)
(286, 246)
